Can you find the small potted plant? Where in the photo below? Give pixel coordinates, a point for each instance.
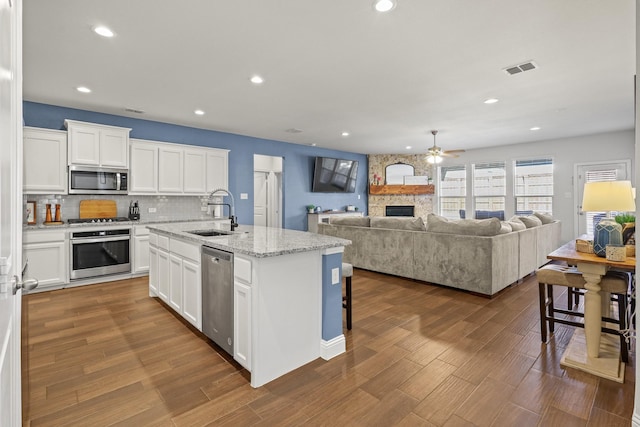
(310, 208)
(628, 223)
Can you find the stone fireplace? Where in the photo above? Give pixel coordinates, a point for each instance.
(378, 203)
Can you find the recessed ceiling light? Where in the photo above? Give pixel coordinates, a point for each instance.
(345, 133)
(491, 101)
(313, 144)
(408, 147)
(103, 31)
(535, 128)
(384, 5)
(256, 80)
(83, 89)
(199, 113)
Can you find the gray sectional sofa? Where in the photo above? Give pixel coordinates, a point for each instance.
(481, 256)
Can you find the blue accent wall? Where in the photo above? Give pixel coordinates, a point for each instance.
(331, 298)
(298, 159)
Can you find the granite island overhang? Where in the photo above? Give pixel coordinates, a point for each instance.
(287, 304)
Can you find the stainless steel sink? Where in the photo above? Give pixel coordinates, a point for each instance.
(209, 233)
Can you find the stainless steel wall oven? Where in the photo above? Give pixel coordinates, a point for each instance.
(100, 252)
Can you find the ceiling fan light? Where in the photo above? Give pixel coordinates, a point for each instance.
(434, 159)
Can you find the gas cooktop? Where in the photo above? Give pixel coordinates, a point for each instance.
(97, 220)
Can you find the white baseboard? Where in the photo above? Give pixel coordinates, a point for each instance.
(334, 347)
(635, 419)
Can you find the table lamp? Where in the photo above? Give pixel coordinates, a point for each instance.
(607, 196)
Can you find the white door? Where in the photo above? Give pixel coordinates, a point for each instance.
(260, 198)
(267, 199)
(611, 171)
(10, 209)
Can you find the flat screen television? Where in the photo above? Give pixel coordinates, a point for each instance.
(334, 175)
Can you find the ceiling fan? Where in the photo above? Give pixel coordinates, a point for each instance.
(435, 153)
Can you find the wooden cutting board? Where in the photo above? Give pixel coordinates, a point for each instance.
(98, 209)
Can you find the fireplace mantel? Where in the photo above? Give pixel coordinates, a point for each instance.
(401, 189)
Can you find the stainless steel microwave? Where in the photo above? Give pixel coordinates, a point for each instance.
(92, 180)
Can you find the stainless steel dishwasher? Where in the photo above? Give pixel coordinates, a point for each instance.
(217, 297)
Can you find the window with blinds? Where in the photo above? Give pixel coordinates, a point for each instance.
(452, 187)
(533, 186)
(489, 186)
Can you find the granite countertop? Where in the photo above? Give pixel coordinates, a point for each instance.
(66, 225)
(255, 241)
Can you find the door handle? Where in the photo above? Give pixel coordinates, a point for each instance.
(26, 285)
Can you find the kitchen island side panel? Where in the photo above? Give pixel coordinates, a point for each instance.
(287, 303)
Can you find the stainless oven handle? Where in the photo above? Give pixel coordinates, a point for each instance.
(99, 240)
(118, 181)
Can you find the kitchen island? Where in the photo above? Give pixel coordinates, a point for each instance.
(287, 293)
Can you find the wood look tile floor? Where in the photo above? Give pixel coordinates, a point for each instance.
(418, 355)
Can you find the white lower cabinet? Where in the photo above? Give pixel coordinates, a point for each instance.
(242, 311)
(175, 282)
(153, 271)
(174, 276)
(163, 275)
(46, 253)
(140, 249)
(242, 324)
(192, 293)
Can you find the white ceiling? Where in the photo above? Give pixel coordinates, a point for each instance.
(337, 65)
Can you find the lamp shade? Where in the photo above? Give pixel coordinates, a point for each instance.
(606, 196)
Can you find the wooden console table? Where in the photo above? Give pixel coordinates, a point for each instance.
(589, 350)
(313, 219)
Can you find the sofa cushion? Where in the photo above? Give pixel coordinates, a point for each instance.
(398, 223)
(531, 221)
(505, 227)
(470, 227)
(354, 221)
(544, 218)
(516, 224)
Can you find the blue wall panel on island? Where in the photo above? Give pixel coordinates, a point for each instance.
(331, 297)
(298, 159)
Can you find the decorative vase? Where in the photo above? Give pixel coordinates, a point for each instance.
(606, 232)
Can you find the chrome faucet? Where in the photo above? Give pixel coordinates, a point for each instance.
(211, 202)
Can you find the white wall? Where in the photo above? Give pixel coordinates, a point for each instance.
(565, 154)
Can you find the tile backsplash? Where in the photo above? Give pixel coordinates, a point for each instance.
(166, 207)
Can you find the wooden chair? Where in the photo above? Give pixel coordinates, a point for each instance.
(616, 284)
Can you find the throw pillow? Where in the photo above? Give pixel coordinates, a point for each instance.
(545, 218)
(398, 223)
(531, 221)
(505, 227)
(470, 227)
(354, 221)
(516, 224)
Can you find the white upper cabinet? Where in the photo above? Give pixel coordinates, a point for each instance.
(173, 169)
(217, 170)
(195, 171)
(97, 145)
(45, 161)
(170, 167)
(143, 174)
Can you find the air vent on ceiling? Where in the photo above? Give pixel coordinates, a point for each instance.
(293, 130)
(133, 110)
(520, 68)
